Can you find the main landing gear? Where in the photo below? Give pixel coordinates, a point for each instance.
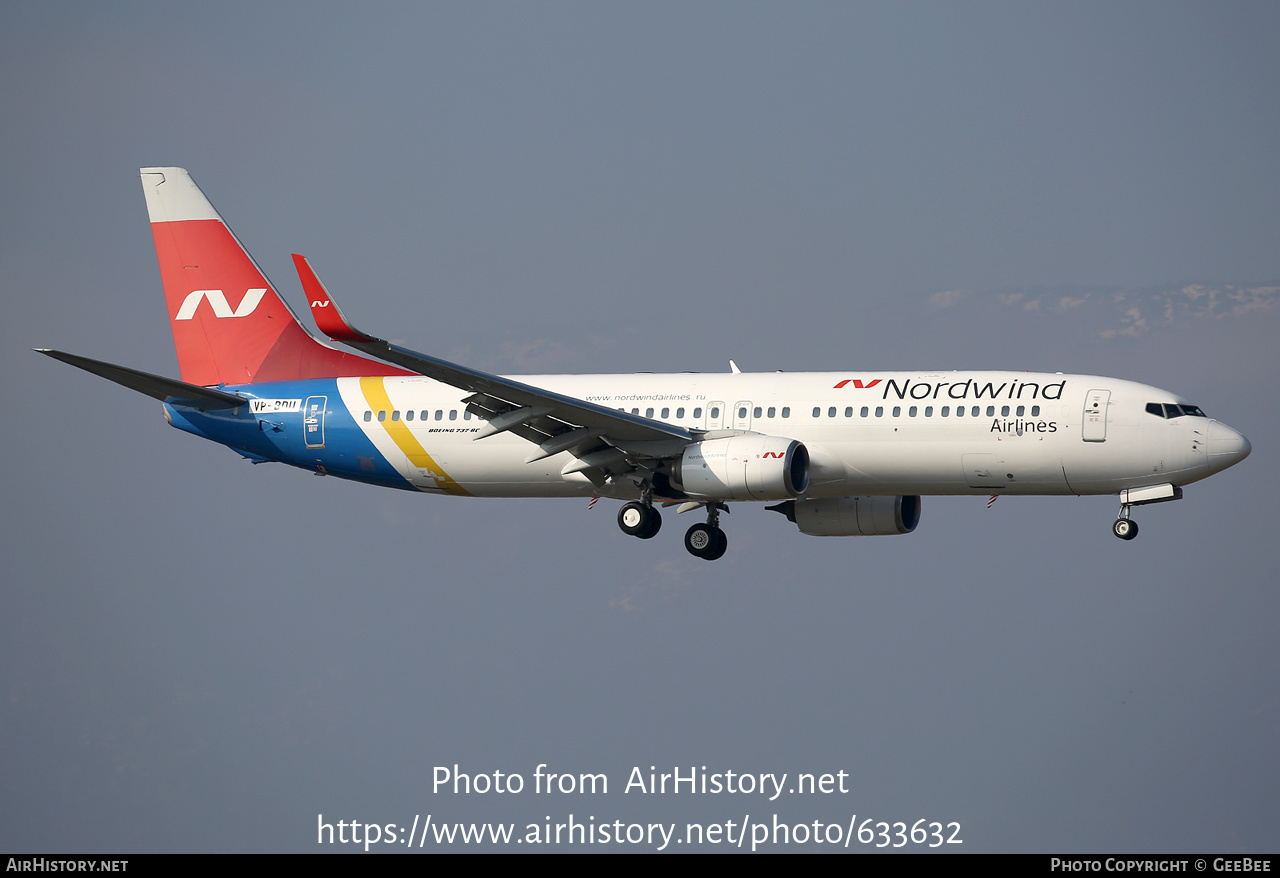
(639, 520)
(707, 541)
(1125, 527)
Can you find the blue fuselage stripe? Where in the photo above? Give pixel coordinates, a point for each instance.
(316, 433)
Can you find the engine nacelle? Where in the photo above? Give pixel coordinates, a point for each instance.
(857, 516)
(749, 467)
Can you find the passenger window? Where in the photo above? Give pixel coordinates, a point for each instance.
(1035, 411)
(715, 411)
(648, 413)
(368, 416)
(426, 415)
(1004, 411)
(831, 412)
(635, 411)
(408, 416)
(1021, 410)
(697, 413)
(946, 411)
(773, 412)
(756, 413)
(975, 411)
(879, 411)
(991, 410)
(897, 410)
(959, 411)
(742, 412)
(928, 411)
(382, 416)
(453, 414)
(786, 411)
(466, 415)
(439, 414)
(848, 412)
(395, 415)
(865, 411)
(912, 411)
(666, 413)
(680, 412)
(817, 412)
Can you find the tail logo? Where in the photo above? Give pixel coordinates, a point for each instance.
(318, 304)
(218, 301)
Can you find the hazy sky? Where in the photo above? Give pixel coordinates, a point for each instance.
(197, 654)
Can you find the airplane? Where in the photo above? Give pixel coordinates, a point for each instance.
(838, 454)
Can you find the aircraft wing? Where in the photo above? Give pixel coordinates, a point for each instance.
(554, 421)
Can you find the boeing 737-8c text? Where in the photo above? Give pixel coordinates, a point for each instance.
(839, 454)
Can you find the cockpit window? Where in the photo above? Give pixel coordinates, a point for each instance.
(1172, 410)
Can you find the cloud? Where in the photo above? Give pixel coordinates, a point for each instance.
(1134, 325)
(1120, 312)
(946, 298)
(541, 355)
(1254, 299)
(665, 578)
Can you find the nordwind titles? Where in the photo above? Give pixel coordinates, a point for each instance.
(971, 388)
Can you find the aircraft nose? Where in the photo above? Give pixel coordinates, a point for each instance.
(1227, 447)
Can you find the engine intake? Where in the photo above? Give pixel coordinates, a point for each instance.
(750, 467)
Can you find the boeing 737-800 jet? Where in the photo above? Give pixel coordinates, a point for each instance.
(839, 454)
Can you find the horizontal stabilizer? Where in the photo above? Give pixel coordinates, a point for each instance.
(167, 390)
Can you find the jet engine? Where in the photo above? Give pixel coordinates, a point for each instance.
(747, 467)
(853, 516)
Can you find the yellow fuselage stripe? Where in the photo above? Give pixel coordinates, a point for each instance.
(375, 393)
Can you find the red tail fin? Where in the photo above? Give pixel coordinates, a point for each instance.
(229, 325)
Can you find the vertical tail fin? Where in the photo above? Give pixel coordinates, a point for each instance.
(229, 325)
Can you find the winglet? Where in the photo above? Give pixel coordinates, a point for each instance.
(328, 316)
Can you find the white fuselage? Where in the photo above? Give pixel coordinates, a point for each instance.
(878, 433)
